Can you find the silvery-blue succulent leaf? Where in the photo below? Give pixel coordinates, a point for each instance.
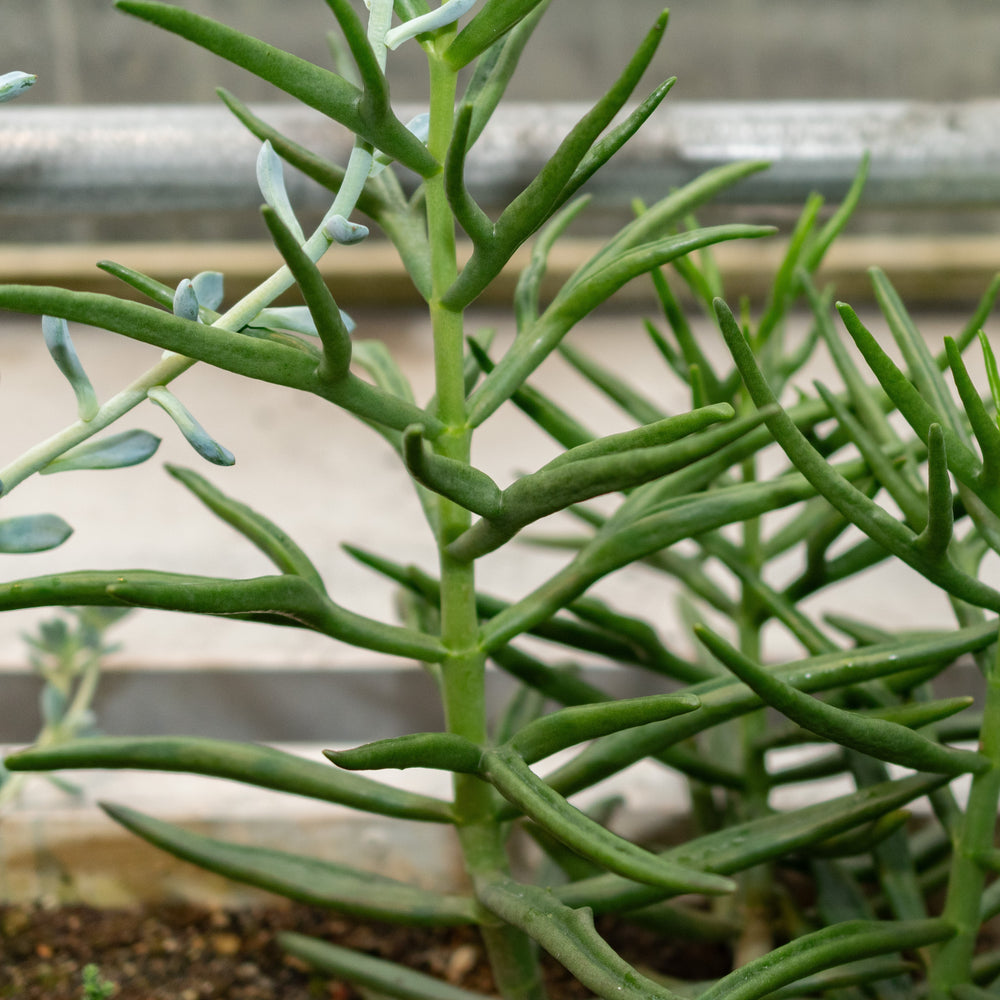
(448, 13)
(297, 319)
(53, 704)
(343, 231)
(33, 533)
(14, 84)
(186, 301)
(60, 345)
(119, 451)
(271, 181)
(419, 125)
(196, 435)
(208, 286)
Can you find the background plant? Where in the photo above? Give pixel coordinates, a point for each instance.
(693, 477)
(66, 652)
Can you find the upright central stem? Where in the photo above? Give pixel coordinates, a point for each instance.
(463, 672)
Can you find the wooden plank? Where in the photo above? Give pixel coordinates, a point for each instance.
(936, 271)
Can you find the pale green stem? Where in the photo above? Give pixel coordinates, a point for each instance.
(952, 964)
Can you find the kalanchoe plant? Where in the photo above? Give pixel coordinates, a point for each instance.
(863, 694)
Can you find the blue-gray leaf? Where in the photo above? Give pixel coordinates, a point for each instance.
(343, 231)
(296, 319)
(33, 533)
(53, 704)
(271, 181)
(208, 286)
(115, 452)
(186, 301)
(197, 436)
(60, 345)
(14, 84)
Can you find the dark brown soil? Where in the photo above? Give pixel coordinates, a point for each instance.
(185, 952)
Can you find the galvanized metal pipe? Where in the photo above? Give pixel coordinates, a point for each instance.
(113, 159)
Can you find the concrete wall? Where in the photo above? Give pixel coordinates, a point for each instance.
(85, 51)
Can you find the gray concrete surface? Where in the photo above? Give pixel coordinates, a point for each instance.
(85, 51)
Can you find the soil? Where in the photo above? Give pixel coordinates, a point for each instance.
(187, 952)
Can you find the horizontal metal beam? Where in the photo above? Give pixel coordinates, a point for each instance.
(113, 159)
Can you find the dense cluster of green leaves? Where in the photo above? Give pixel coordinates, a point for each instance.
(889, 467)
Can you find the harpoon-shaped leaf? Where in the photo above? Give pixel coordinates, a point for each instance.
(118, 451)
(33, 533)
(249, 763)
(307, 880)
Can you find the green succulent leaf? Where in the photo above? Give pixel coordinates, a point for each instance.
(594, 469)
(744, 845)
(852, 503)
(825, 949)
(879, 738)
(585, 291)
(345, 889)
(553, 185)
(261, 532)
(386, 978)
(508, 773)
(491, 23)
(577, 724)
(326, 315)
(568, 935)
(441, 751)
(458, 481)
(366, 113)
(249, 763)
(725, 698)
(495, 67)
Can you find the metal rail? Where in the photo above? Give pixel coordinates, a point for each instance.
(111, 159)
